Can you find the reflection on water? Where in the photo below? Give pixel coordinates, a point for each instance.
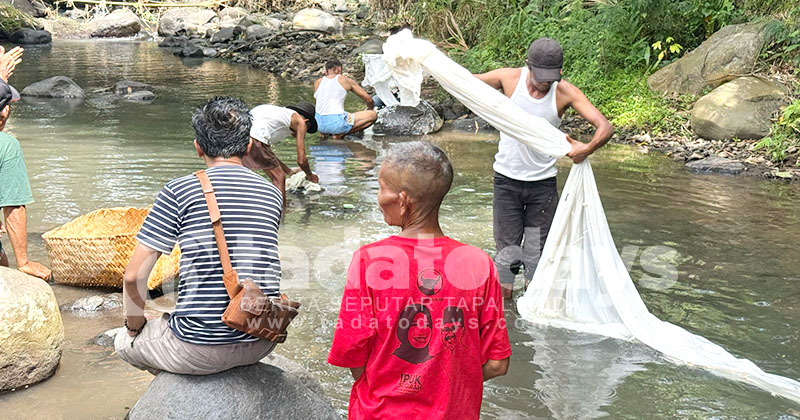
(735, 240)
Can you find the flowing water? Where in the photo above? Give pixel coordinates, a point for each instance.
(730, 272)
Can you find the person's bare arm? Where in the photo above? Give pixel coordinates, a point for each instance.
(134, 286)
(17, 228)
(603, 128)
(354, 87)
(298, 125)
(357, 372)
(504, 79)
(495, 368)
(9, 61)
(316, 84)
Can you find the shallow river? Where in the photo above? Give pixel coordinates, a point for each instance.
(733, 241)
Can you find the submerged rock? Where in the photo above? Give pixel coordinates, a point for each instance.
(31, 331)
(91, 305)
(407, 120)
(106, 338)
(54, 87)
(258, 391)
(318, 20)
(126, 87)
(716, 165)
(28, 36)
(117, 24)
(142, 96)
(739, 109)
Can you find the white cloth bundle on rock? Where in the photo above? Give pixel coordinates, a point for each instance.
(298, 182)
(581, 282)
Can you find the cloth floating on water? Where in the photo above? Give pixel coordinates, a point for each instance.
(299, 182)
(581, 282)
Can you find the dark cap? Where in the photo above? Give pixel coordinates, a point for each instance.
(7, 94)
(307, 111)
(545, 59)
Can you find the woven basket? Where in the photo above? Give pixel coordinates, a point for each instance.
(94, 249)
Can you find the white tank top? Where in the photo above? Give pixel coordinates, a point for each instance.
(330, 97)
(516, 160)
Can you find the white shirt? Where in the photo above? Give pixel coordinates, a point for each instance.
(330, 96)
(271, 123)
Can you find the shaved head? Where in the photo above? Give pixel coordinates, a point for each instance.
(420, 169)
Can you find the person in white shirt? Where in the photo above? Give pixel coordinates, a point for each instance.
(330, 91)
(271, 125)
(525, 194)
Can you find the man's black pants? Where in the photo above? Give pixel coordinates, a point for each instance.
(522, 210)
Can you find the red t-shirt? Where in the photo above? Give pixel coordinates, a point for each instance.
(422, 316)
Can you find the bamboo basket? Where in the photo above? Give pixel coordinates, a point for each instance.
(94, 249)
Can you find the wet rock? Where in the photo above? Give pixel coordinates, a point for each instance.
(191, 50)
(717, 165)
(318, 20)
(173, 41)
(372, 46)
(472, 125)
(408, 121)
(256, 32)
(28, 36)
(260, 391)
(188, 20)
(106, 338)
(31, 331)
(223, 35)
(454, 111)
(142, 96)
(127, 87)
(739, 109)
(91, 305)
(54, 87)
(117, 24)
(209, 52)
(730, 52)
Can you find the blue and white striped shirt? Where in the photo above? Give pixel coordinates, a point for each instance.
(250, 207)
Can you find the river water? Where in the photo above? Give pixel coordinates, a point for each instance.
(732, 241)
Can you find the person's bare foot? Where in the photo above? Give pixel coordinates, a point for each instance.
(35, 269)
(338, 136)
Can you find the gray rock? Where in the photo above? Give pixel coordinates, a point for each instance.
(255, 32)
(716, 165)
(232, 13)
(35, 8)
(117, 24)
(258, 391)
(92, 305)
(191, 50)
(106, 338)
(173, 41)
(54, 87)
(729, 53)
(142, 96)
(31, 330)
(209, 52)
(28, 36)
(740, 109)
(318, 20)
(454, 111)
(290, 366)
(127, 87)
(362, 12)
(372, 46)
(184, 19)
(223, 35)
(408, 121)
(472, 125)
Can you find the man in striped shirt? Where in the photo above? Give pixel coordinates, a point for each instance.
(193, 339)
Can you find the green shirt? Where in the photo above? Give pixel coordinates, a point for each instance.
(15, 190)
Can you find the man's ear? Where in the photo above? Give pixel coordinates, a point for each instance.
(6, 111)
(200, 153)
(405, 202)
(249, 145)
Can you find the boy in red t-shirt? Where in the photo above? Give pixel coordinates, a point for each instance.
(421, 324)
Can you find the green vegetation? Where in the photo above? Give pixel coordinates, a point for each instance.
(785, 135)
(610, 46)
(12, 19)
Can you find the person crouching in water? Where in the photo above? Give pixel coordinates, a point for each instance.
(421, 323)
(329, 92)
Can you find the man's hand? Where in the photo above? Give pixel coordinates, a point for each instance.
(313, 178)
(35, 269)
(9, 61)
(579, 150)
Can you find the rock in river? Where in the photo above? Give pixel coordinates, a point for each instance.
(54, 87)
(28, 36)
(91, 305)
(408, 120)
(258, 391)
(716, 165)
(119, 23)
(31, 331)
(126, 87)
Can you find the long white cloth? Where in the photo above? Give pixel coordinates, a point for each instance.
(581, 282)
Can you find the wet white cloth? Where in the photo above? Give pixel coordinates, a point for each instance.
(298, 182)
(581, 282)
(377, 75)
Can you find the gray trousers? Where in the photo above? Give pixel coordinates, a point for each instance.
(156, 348)
(522, 210)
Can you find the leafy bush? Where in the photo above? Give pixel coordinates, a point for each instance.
(785, 134)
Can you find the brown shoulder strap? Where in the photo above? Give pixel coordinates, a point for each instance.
(229, 277)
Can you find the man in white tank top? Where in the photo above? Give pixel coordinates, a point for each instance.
(525, 194)
(330, 91)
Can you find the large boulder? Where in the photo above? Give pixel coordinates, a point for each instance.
(257, 391)
(739, 109)
(184, 19)
(28, 36)
(31, 331)
(54, 87)
(729, 53)
(408, 120)
(117, 24)
(317, 20)
(35, 8)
